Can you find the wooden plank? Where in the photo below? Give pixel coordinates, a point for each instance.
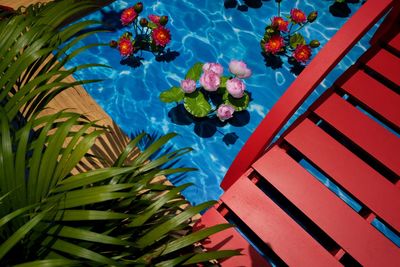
(17, 3)
(362, 130)
(229, 239)
(352, 232)
(374, 95)
(395, 43)
(386, 64)
(367, 185)
(285, 237)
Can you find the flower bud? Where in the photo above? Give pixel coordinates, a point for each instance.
(113, 43)
(312, 16)
(138, 7)
(143, 22)
(163, 20)
(314, 43)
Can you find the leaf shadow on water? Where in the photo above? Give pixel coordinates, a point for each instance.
(244, 5)
(275, 62)
(111, 19)
(272, 61)
(209, 126)
(134, 61)
(167, 56)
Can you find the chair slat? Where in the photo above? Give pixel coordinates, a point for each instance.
(368, 134)
(352, 232)
(395, 42)
(386, 64)
(229, 239)
(362, 181)
(374, 95)
(285, 237)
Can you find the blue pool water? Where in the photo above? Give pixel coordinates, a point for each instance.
(207, 32)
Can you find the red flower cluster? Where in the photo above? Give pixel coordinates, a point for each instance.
(280, 24)
(281, 37)
(161, 36)
(128, 16)
(274, 45)
(298, 16)
(125, 47)
(302, 53)
(149, 35)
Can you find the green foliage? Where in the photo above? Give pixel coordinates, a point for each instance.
(112, 216)
(175, 94)
(297, 39)
(196, 104)
(224, 79)
(238, 103)
(195, 71)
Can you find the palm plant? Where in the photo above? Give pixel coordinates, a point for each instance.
(51, 215)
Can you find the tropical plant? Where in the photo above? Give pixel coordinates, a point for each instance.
(218, 95)
(52, 215)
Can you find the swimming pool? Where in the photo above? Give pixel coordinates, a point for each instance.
(207, 32)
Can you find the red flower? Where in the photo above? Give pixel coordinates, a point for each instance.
(125, 47)
(298, 16)
(161, 36)
(302, 53)
(128, 15)
(274, 44)
(280, 24)
(155, 19)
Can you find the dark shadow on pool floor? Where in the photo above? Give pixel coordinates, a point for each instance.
(208, 127)
(244, 5)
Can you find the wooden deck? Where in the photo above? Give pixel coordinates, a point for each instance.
(17, 3)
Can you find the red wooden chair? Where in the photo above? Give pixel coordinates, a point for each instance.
(350, 135)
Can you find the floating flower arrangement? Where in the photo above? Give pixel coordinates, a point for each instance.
(282, 37)
(206, 92)
(148, 34)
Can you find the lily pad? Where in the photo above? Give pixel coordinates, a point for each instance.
(297, 39)
(175, 94)
(238, 103)
(195, 71)
(223, 81)
(151, 25)
(196, 104)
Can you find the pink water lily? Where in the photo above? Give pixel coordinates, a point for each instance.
(239, 69)
(210, 81)
(215, 67)
(225, 112)
(235, 87)
(188, 86)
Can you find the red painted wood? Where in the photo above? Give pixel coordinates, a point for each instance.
(229, 239)
(389, 24)
(386, 64)
(304, 84)
(374, 95)
(395, 43)
(362, 130)
(367, 185)
(354, 234)
(285, 237)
